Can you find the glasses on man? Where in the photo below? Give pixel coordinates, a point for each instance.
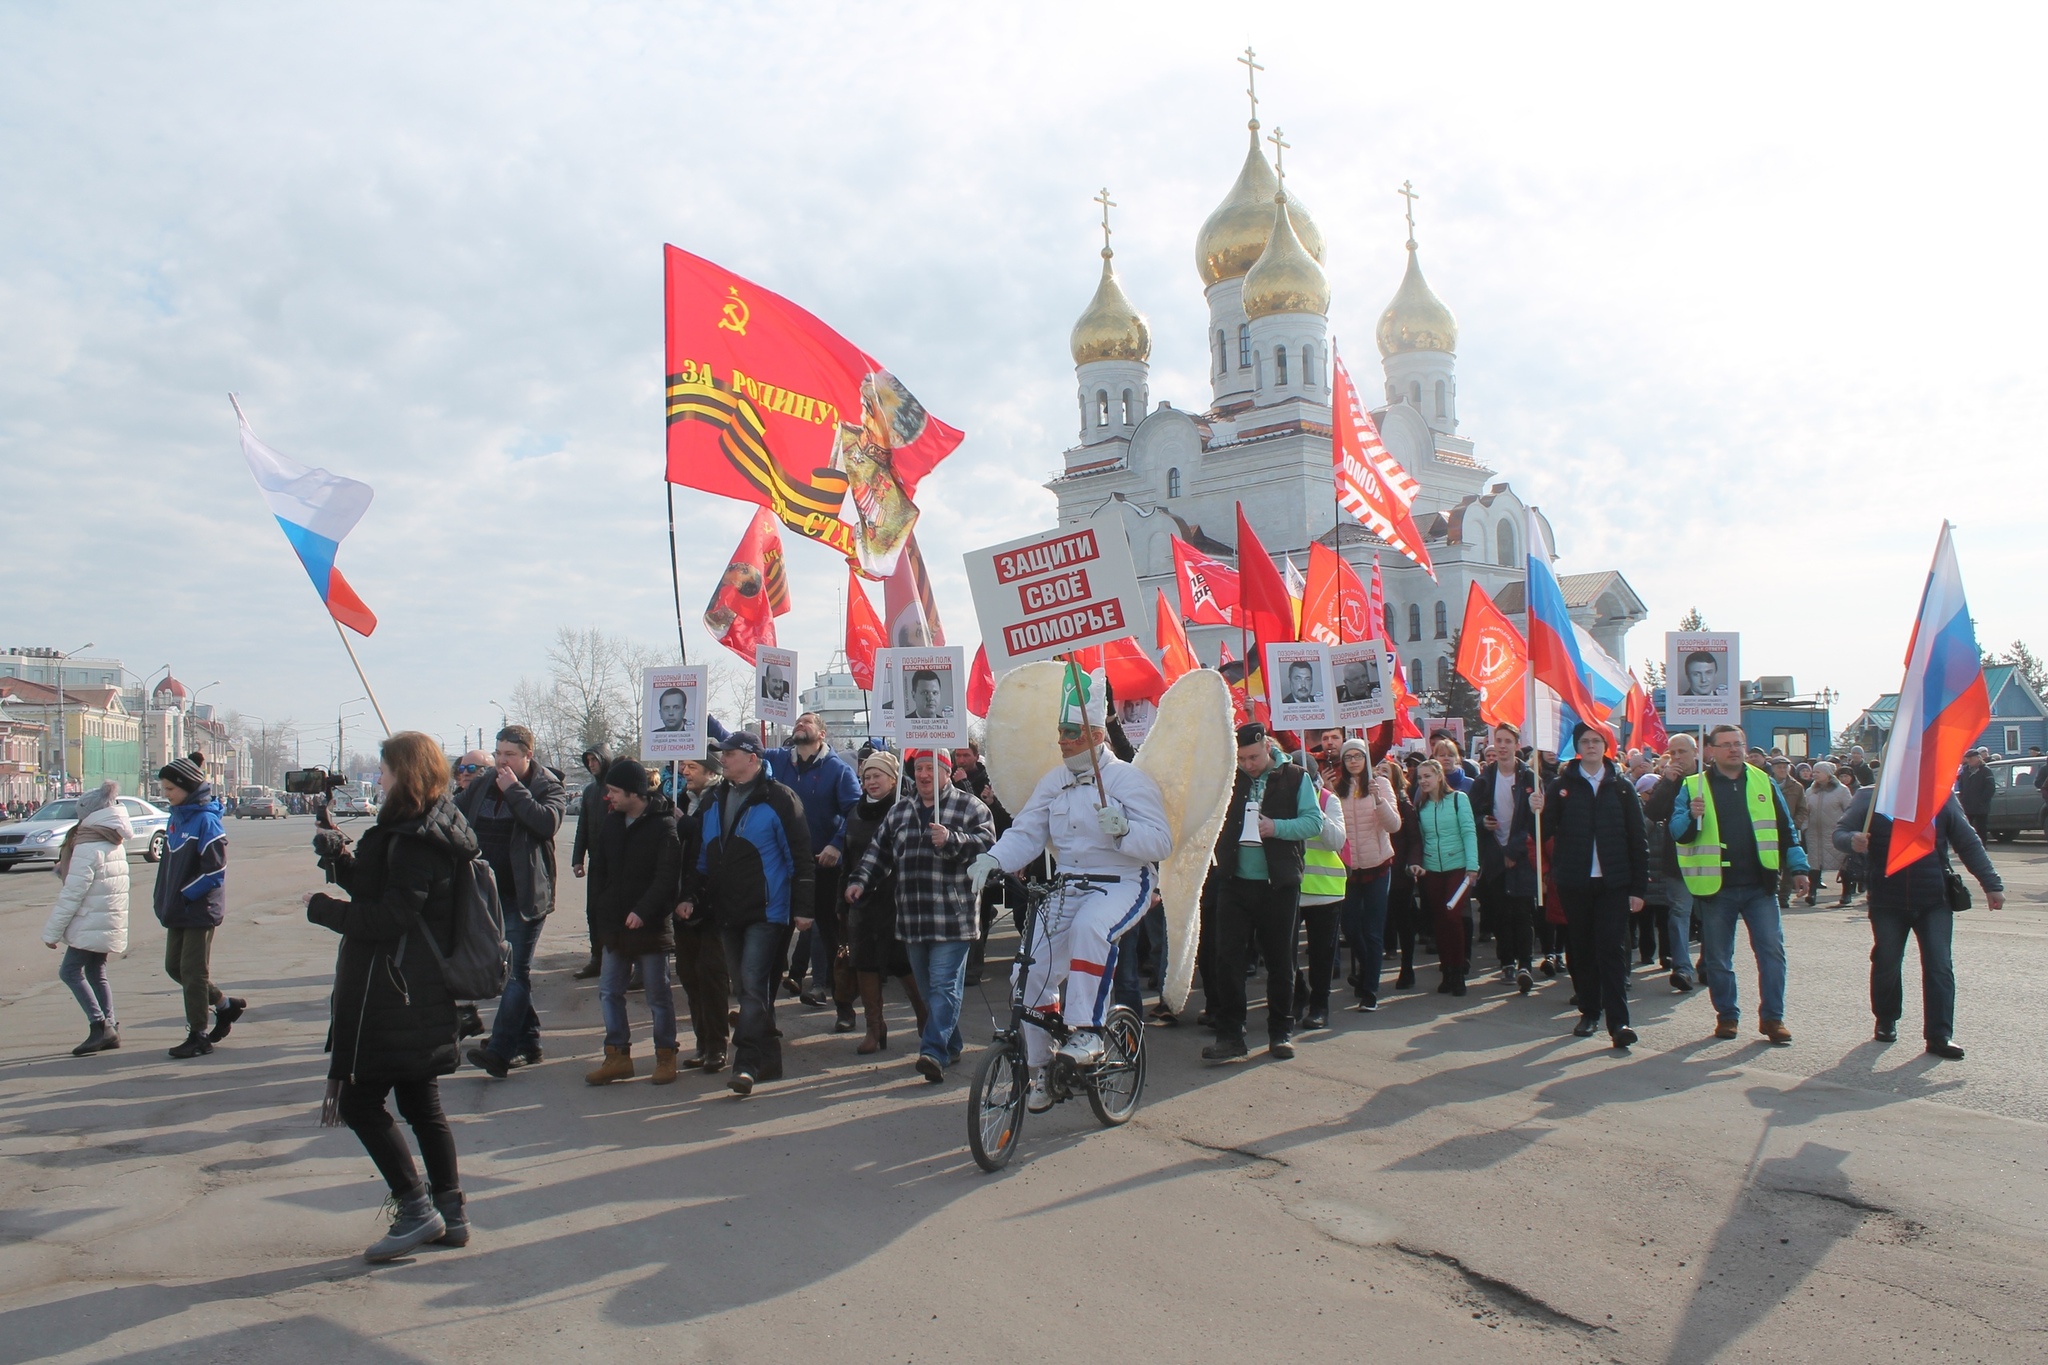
(469, 767)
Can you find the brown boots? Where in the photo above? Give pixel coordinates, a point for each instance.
(871, 1001)
(664, 1066)
(618, 1066)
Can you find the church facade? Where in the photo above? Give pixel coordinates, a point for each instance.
(1264, 437)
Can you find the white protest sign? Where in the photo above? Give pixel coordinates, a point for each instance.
(882, 715)
(1298, 678)
(932, 684)
(1363, 697)
(775, 685)
(672, 712)
(1136, 719)
(1042, 596)
(1702, 679)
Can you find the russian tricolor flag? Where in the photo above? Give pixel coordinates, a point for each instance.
(316, 509)
(1943, 707)
(1555, 661)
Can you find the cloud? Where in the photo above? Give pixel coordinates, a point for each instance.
(1724, 312)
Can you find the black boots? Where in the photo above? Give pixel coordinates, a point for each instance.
(416, 1223)
(195, 1045)
(225, 1013)
(454, 1219)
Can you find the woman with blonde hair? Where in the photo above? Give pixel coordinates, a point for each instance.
(1448, 867)
(392, 1027)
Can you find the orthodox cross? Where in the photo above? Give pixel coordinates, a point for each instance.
(1280, 146)
(1250, 62)
(1107, 204)
(1407, 191)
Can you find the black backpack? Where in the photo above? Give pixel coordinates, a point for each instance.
(482, 960)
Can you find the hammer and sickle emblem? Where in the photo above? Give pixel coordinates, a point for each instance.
(735, 312)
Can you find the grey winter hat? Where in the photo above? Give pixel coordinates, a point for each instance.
(99, 799)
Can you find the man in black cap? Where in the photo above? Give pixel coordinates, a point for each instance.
(191, 901)
(1603, 875)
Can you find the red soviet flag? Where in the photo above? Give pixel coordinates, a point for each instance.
(1263, 598)
(1371, 484)
(1645, 726)
(769, 405)
(1208, 589)
(1177, 656)
(864, 633)
(1335, 609)
(1494, 658)
(751, 593)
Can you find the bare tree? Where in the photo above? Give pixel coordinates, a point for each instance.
(730, 689)
(265, 746)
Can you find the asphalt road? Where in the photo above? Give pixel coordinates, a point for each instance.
(1441, 1178)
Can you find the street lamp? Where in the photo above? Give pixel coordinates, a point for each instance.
(141, 746)
(63, 745)
(502, 721)
(340, 749)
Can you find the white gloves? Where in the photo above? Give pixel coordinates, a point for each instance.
(980, 870)
(1111, 821)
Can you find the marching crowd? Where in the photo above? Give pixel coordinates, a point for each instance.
(759, 873)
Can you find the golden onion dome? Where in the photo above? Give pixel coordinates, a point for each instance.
(1232, 240)
(1416, 320)
(1285, 279)
(1110, 329)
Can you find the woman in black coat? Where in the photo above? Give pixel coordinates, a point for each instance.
(871, 920)
(392, 1026)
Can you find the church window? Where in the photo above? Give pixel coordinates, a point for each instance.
(1415, 675)
(1415, 394)
(1130, 413)
(1504, 547)
(1415, 622)
(1280, 366)
(1244, 346)
(1312, 367)
(1443, 622)
(1390, 391)
(1101, 408)
(1443, 673)
(1387, 614)
(1222, 356)
(1173, 483)
(1440, 399)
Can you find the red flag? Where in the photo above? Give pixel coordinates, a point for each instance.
(907, 602)
(1404, 701)
(864, 633)
(1371, 484)
(1177, 656)
(1377, 601)
(1645, 726)
(1208, 589)
(751, 593)
(1131, 673)
(1334, 606)
(769, 405)
(1240, 699)
(1263, 594)
(1494, 658)
(981, 683)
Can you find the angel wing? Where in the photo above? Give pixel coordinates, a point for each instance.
(1023, 728)
(1191, 752)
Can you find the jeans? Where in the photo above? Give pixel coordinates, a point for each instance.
(754, 954)
(940, 969)
(1935, 928)
(1679, 918)
(515, 1028)
(362, 1109)
(1246, 909)
(1597, 922)
(700, 962)
(611, 997)
(1757, 907)
(86, 974)
(186, 954)
(1365, 927)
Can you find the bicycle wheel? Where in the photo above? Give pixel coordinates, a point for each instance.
(1114, 1089)
(995, 1105)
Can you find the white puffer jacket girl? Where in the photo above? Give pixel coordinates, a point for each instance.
(92, 910)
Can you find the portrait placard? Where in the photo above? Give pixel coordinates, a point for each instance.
(1136, 719)
(1702, 679)
(775, 697)
(672, 713)
(1298, 679)
(1363, 697)
(929, 683)
(882, 715)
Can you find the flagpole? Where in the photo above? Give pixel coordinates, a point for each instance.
(364, 678)
(1094, 760)
(675, 572)
(1529, 715)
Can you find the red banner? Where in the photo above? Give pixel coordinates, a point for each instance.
(1177, 656)
(981, 683)
(769, 405)
(751, 593)
(1371, 484)
(1494, 658)
(1131, 673)
(1264, 601)
(1208, 589)
(908, 604)
(1335, 608)
(864, 633)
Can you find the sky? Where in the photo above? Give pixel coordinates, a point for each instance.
(1749, 298)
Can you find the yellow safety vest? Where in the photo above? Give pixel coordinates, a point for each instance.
(1701, 861)
(1322, 871)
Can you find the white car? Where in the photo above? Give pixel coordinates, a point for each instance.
(38, 838)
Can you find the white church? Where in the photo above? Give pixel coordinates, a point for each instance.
(1264, 437)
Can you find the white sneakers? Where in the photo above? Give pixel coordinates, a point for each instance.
(1037, 1099)
(1085, 1047)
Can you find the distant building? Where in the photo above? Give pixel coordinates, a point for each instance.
(21, 759)
(2019, 718)
(840, 704)
(99, 738)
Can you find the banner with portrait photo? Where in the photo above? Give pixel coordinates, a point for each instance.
(1298, 674)
(1361, 671)
(882, 705)
(672, 701)
(1135, 717)
(1702, 679)
(775, 685)
(931, 688)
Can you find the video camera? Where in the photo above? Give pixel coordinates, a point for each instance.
(313, 782)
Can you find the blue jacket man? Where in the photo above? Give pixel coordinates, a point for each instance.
(191, 901)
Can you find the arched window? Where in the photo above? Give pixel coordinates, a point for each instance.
(1415, 675)
(1280, 366)
(1390, 391)
(1504, 543)
(1415, 394)
(1387, 613)
(1440, 399)
(1173, 483)
(1222, 356)
(1415, 622)
(1443, 622)
(1130, 413)
(1084, 412)
(1312, 366)
(1244, 345)
(1443, 673)
(1101, 408)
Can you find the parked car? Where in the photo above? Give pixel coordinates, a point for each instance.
(258, 803)
(2017, 804)
(38, 838)
(348, 805)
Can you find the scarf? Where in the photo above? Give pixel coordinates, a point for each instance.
(91, 834)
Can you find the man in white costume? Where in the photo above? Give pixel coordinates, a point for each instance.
(1101, 817)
